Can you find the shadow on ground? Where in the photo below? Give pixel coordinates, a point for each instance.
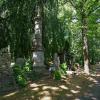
(70, 88)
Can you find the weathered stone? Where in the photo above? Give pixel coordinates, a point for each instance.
(38, 53)
(20, 62)
(38, 58)
(6, 73)
(56, 60)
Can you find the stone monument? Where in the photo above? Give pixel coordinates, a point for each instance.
(7, 81)
(38, 54)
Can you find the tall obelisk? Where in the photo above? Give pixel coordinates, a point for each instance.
(38, 53)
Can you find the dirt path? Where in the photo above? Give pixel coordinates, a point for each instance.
(69, 88)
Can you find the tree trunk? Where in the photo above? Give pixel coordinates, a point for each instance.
(85, 45)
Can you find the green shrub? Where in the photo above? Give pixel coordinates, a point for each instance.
(27, 67)
(17, 70)
(63, 68)
(21, 73)
(21, 80)
(19, 76)
(57, 75)
(59, 72)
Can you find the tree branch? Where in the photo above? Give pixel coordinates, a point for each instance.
(91, 7)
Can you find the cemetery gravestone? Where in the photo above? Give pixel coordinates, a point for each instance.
(7, 81)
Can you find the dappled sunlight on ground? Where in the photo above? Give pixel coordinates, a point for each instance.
(69, 88)
(92, 79)
(10, 94)
(75, 91)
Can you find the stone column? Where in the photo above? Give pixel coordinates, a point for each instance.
(38, 54)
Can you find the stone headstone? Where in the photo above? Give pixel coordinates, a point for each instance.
(7, 81)
(20, 62)
(56, 60)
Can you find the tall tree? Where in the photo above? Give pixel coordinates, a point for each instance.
(55, 29)
(84, 9)
(17, 15)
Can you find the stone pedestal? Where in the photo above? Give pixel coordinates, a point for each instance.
(38, 58)
(38, 61)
